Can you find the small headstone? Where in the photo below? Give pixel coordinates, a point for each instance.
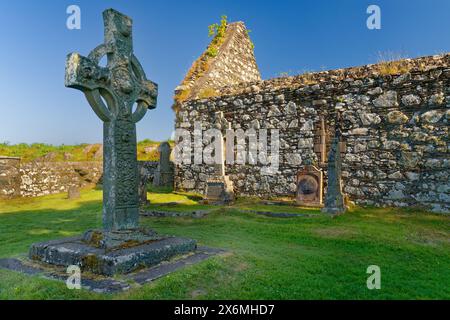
(219, 188)
(334, 199)
(73, 193)
(164, 174)
(309, 186)
(142, 189)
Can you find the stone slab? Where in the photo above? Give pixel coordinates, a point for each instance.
(163, 269)
(74, 251)
(109, 285)
(219, 190)
(99, 285)
(281, 214)
(164, 214)
(19, 266)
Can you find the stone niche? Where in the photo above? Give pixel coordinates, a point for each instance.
(309, 187)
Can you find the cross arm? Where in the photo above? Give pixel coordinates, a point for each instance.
(148, 91)
(148, 94)
(85, 75)
(146, 99)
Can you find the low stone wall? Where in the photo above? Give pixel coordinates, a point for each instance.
(43, 178)
(9, 177)
(396, 130)
(40, 178)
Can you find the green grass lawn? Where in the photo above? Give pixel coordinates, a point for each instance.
(146, 151)
(268, 258)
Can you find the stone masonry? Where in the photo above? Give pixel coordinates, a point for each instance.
(395, 128)
(235, 63)
(39, 178)
(9, 177)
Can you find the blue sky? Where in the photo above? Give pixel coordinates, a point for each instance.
(289, 36)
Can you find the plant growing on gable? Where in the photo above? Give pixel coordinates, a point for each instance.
(201, 65)
(218, 32)
(251, 42)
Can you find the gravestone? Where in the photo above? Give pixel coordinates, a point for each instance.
(73, 193)
(219, 187)
(334, 198)
(165, 172)
(121, 246)
(309, 186)
(142, 189)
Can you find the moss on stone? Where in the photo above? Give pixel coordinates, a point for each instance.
(90, 262)
(95, 239)
(207, 93)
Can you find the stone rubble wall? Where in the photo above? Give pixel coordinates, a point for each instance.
(9, 177)
(420, 64)
(41, 178)
(235, 62)
(396, 130)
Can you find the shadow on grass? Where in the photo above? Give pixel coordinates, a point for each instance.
(170, 190)
(162, 190)
(270, 258)
(18, 230)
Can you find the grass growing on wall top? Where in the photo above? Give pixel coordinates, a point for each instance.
(268, 258)
(207, 93)
(391, 63)
(147, 150)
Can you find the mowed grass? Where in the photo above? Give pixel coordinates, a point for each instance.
(268, 258)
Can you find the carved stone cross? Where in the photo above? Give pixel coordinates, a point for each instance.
(219, 188)
(111, 92)
(334, 199)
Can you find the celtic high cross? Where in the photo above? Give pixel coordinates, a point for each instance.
(112, 92)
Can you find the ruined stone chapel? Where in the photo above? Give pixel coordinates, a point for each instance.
(393, 118)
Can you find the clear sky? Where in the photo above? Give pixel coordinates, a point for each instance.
(289, 36)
